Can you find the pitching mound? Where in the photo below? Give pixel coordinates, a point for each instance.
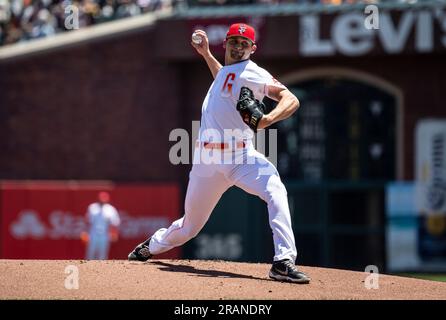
(193, 279)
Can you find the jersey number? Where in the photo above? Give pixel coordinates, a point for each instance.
(226, 91)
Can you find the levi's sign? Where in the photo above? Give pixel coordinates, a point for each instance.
(420, 31)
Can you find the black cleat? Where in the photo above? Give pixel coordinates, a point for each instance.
(286, 270)
(141, 252)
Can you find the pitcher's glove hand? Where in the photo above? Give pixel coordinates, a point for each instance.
(251, 109)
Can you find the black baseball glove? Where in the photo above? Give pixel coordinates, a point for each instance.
(251, 109)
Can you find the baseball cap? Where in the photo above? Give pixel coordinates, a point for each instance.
(242, 30)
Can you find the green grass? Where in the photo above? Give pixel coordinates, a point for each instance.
(426, 276)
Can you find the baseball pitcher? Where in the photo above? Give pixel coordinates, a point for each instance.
(225, 156)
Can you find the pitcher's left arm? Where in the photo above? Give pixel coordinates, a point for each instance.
(288, 104)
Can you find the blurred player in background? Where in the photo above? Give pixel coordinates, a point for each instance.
(103, 222)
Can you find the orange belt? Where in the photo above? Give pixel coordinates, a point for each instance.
(219, 145)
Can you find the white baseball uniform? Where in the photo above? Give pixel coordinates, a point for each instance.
(217, 169)
(100, 219)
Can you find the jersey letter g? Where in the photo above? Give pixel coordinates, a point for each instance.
(226, 91)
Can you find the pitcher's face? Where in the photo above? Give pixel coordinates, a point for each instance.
(238, 49)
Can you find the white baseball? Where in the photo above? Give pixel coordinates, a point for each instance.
(196, 38)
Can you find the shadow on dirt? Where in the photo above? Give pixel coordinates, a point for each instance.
(203, 272)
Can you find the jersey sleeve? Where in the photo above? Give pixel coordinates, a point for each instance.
(258, 81)
(89, 212)
(114, 219)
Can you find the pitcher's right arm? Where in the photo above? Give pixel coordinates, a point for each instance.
(203, 49)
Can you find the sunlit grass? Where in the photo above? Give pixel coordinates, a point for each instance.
(426, 276)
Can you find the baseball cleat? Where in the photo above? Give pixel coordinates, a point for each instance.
(286, 270)
(141, 252)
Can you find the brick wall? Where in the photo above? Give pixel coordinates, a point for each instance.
(95, 111)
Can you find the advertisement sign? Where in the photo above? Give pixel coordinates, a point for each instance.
(416, 211)
(44, 220)
(401, 228)
(431, 188)
(394, 32)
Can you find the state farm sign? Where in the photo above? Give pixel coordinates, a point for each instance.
(44, 220)
(420, 31)
(65, 225)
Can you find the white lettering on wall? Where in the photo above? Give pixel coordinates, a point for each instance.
(350, 36)
(393, 37)
(424, 36)
(310, 42)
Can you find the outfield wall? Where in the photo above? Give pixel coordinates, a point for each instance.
(44, 220)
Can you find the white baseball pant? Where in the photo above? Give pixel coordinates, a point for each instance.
(98, 246)
(250, 171)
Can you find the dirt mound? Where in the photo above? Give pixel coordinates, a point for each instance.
(193, 279)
